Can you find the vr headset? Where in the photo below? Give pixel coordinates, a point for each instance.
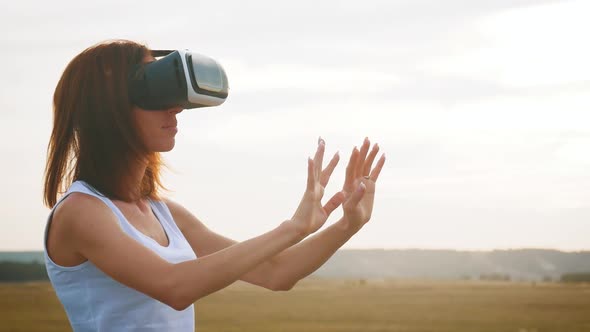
(179, 78)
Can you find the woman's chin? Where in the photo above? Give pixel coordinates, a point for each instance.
(166, 147)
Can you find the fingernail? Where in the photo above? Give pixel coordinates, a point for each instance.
(360, 187)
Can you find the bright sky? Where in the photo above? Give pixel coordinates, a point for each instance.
(482, 108)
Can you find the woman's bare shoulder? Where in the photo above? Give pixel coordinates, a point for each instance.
(173, 206)
(81, 217)
(182, 216)
(77, 204)
(69, 223)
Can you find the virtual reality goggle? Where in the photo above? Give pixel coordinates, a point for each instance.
(178, 78)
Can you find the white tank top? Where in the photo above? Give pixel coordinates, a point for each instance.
(95, 302)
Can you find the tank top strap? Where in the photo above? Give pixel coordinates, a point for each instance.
(82, 187)
(85, 188)
(165, 217)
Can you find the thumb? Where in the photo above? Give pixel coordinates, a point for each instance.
(334, 202)
(356, 196)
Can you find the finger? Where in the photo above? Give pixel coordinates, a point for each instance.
(363, 154)
(370, 159)
(310, 175)
(377, 170)
(325, 177)
(350, 170)
(334, 202)
(356, 196)
(319, 156)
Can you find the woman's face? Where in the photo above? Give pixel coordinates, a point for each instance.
(156, 129)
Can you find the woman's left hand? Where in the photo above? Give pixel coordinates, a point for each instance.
(311, 215)
(359, 186)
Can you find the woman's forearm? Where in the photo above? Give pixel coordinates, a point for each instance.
(192, 280)
(302, 259)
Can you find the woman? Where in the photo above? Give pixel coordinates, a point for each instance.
(120, 256)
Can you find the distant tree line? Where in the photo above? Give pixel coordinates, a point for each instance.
(13, 271)
(495, 277)
(576, 277)
(567, 277)
(35, 271)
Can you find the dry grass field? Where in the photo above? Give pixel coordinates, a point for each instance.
(349, 305)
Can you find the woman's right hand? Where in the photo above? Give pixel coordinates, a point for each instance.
(311, 215)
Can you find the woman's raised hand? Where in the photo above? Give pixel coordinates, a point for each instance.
(311, 215)
(359, 185)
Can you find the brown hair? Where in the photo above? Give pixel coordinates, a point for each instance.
(93, 137)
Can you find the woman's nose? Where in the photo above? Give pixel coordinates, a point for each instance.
(175, 110)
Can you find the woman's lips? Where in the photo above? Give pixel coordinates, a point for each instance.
(172, 128)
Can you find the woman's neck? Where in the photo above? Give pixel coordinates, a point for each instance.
(134, 189)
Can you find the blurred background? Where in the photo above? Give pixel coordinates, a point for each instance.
(481, 107)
